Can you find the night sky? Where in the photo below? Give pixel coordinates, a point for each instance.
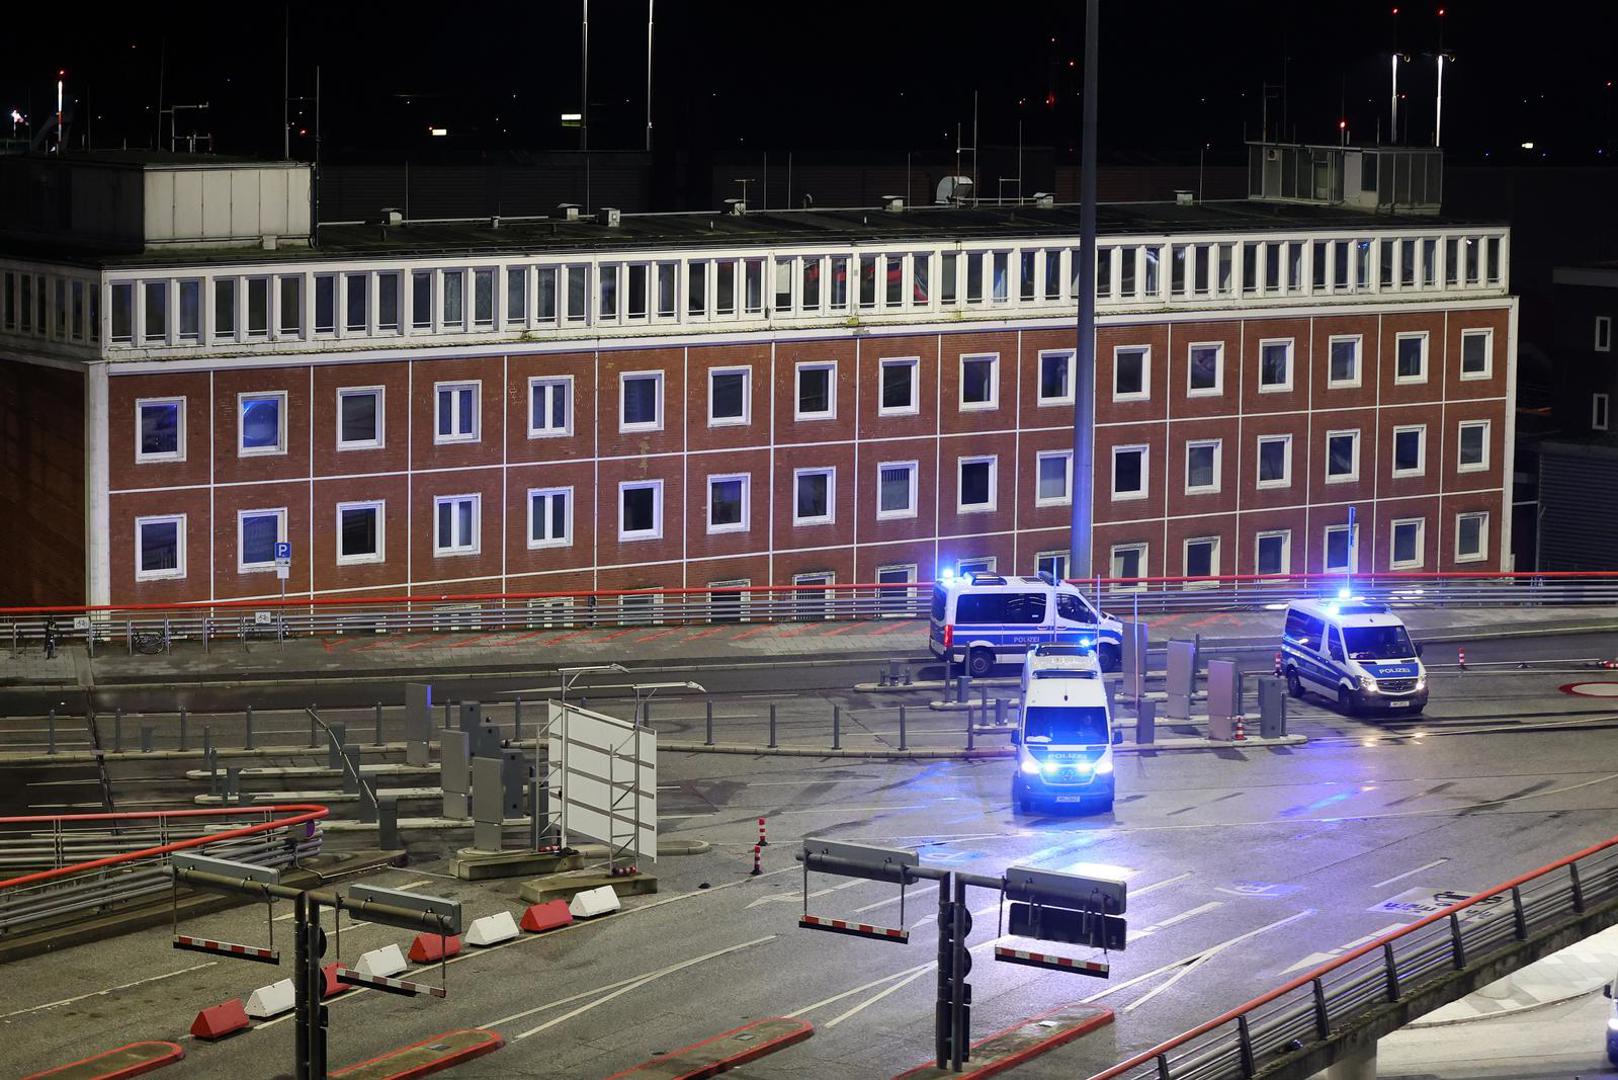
(880, 79)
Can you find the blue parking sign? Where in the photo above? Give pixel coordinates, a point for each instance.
(283, 551)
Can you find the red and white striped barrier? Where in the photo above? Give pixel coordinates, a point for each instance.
(1055, 963)
(227, 948)
(840, 926)
(763, 838)
(387, 984)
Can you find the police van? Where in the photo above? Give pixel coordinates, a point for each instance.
(1356, 652)
(1064, 734)
(984, 619)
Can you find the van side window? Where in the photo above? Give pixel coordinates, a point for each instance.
(1073, 609)
(1028, 608)
(1335, 644)
(980, 608)
(1298, 629)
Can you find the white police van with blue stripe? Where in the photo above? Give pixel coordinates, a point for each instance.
(981, 619)
(1355, 652)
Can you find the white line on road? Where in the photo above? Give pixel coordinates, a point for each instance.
(852, 809)
(559, 1002)
(1409, 873)
(1176, 919)
(1143, 890)
(858, 989)
(922, 891)
(868, 1002)
(793, 898)
(108, 990)
(1316, 959)
(1209, 954)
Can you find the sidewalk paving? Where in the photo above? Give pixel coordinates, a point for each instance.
(517, 651)
(1577, 970)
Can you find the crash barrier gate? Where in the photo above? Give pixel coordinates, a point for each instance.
(1308, 1013)
(1048, 904)
(153, 627)
(80, 865)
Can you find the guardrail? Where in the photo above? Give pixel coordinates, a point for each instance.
(1236, 1044)
(93, 863)
(153, 627)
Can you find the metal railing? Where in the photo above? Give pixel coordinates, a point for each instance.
(79, 865)
(1308, 1009)
(152, 627)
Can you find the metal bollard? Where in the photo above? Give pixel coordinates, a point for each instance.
(708, 724)
(233, 784)
(903, 745)
(207, 740)
(999, 712)
(772, 743)
(210, 760)
(516, 721)
(387, 823)
(50, 731)
(881, 677)
(983, 703)
(971, 729)
(117, 731)
(185, 741)
(646, 712)
(446, 716)
(146, 738)
(378, 740)
(1146, 722)
(247, 743)
(836, 727)
(313, 742)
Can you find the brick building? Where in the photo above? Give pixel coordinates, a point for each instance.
(618, 401)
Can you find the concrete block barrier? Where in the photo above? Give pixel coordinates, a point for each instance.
(271, 1000)
(551, 915)
(592, 902)
(388, 960)
(332, 987)
(430, 948)
(220, 1020)
(492, 929)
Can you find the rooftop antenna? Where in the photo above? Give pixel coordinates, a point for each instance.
(584, 92)
(974, 148)
(649, 4)
(162, 59)
(1438, 112)
(1393, 97)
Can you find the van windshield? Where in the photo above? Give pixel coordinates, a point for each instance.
(1065, 725)
(1377, 643)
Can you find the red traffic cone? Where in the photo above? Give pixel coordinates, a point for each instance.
(757, 861)
(1278, 663)
(1462, 659)
(1241, 729)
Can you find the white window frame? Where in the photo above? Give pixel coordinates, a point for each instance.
(1218, 455)
(476, 545)
(889, 596)
(1353, 549)
(1213, 561)
(741, 526)
(1354, 474)
(1041, 556)
(1480, 466)
(1419, 377)
(1072, 368)
(993, 461)
(1145, 472)
(242, 450)
(1603, 341)
(379, 439)
(379, 508)
(566, 539)
(976, 564)
(1600, 411)
(828, 366)
(1066, 457)
(624, 426)
(1482, 552)
(1145, 551)
(565, 384)
(883, 365)
(1218, 387)
(1359, 362)
(656, 531)
(178, 572)
(1421, 451)
(1145, 393)
(1291, 354)
(1286, 463)
(1487, 334)
(911, 509)
(994, 383)
(1396, 563)
(746, 372)
(1285, 536)
(830, 516)
(242, 565)
(141, 404)
(455, 386)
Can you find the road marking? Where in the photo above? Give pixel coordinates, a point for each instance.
(1143, 890)
(1316, 959)
(1176, 919)
(108, 990)
(1410, 873)
(407, 886)
(1209, 954)
(791, 898)
(643, 981)
(911, 894)
(919, 968)
(868, 1002)
(855, 809)
(580, 996)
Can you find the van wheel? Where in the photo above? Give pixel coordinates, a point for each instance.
(1112, 658)
(979, 662)
(1345, 701)
(1294, 684)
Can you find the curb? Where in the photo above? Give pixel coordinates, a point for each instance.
(988, 752)
(1517, 1011)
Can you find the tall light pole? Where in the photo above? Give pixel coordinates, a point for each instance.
(1393, 98)
(584, 79)
(649, 4)
(1084, 363)
(1438, 112)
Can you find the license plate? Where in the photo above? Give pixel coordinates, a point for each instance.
(1070, 798)
(1398, 704)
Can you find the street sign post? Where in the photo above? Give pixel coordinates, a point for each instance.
(283, 570)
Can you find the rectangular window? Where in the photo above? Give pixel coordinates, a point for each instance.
(387, 302)
(812, 492)
(724, 287)
(1477, 354)
(1205, 376)
(1129, 472)
(730, 398)
(1341, 555)
(667, 279)
(642, 401)
(1202, 466)
(1201, 560)
(1409, 544)
(1411, 358)
(550, 517)
(25, 297)
(1410, 450)
(1275, 461)
(161, 423)
(1273, 552)
(157, 310)
(325, 303)
(901, 390)
(456, 531)
(1471, 537)
(545, 304)
(920, 282)
(947, 273)
(262, 423)
(258, 307)
(817, 391)
(1600, 407)
(640, 510)
(1131, 373)
(1027, 282)
(1603, 333)
(1344, 362)
(454, 285)
(607, 278)
(896, 602)
(1128, 562)
(359, 532)
(123, 313)
(359, 418)
(457, 412)
(1056, 377)
(728, 503)
(160, 547)
(1054, 469)
(1274, 366)
(357, 300)
(289, 304)
(224, 308)
(190, 310)
(839, 283)
(896, 490)
(811, 285)
(1053, 563)
(980, 382)
(1474, 446)
(753, 286)
(976, 490)
(783, 287)
(550, 406)
(974, 277)
(576, 280)
(482, 297)
(1342, 456)
(696, 290)
(257, 532)
(421, 299)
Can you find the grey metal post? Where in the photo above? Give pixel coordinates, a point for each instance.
(708, 723)
(1084, 364)
(999, 712)
(50, 731)
(772, 726)
(146, 738)
(185, 741)
(446, 716)
(1145, 721)
(210, 761)
(117, 730)
(207, 740)
(516, 721)
(836, 727)
(971, 729)
(387, 823)
(983, 707)
(248, 742)
(233, 783)
(313, 742)
(902, 744)
(377, 741)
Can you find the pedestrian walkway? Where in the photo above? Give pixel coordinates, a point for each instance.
(1577, 970)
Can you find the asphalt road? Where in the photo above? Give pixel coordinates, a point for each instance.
(1245, 867)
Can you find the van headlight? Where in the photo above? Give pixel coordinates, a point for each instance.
(1421, 681)
(1104, 766)
(1368, 684)
(1029, 765)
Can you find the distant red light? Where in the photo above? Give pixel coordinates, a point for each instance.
(1050, 101)
(1342, 125)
